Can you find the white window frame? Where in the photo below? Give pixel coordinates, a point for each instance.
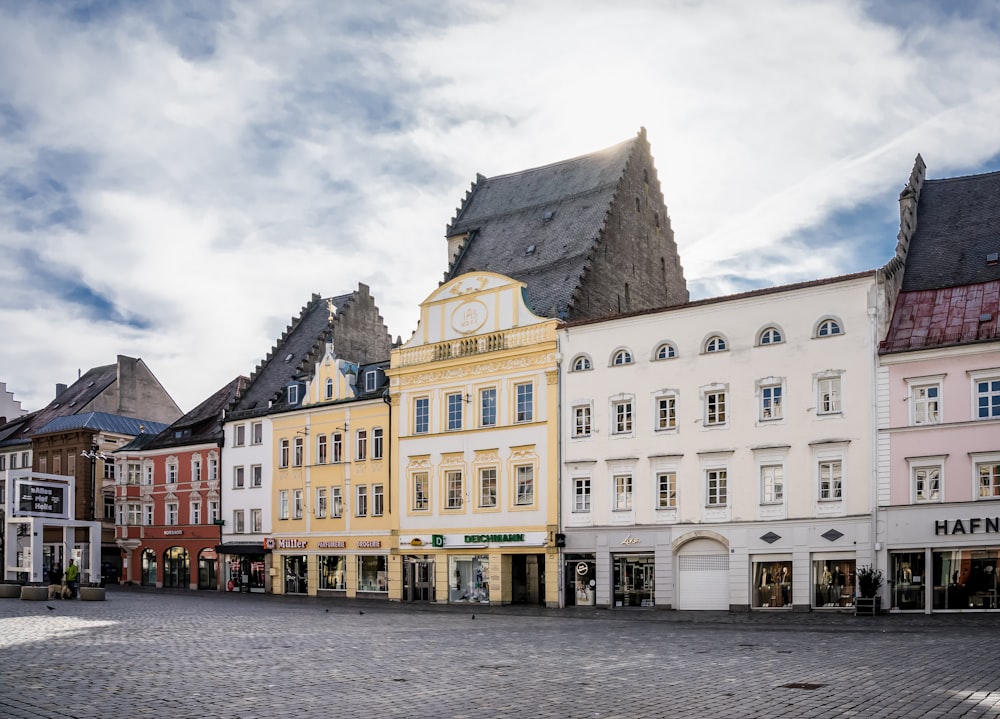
(148, 514)
(922, 471)
(172, 472)
(666, 489)
(336, 502)
(293, 393)
(239, 524)
(990, 462)
(524, 394)
(256, 476)
(581, 363)
(715, 343)
(582, 495)
(240, 435)
(828, 327)
(582, 420)
(282, 504)
(622, 416)
(454, 401)
(716, 487)
(421, 415)
(770, 399)
(665, 351)
(992, 394)
(829, 394)
(256, 520)
(298, 452)
(623, 492)
(321, 507)
(284, 452)
(830, 470)
(923, 406)
(489, 500)
(524, 476)
(298, 504)
(256, 433)
(715, 405)
(322, 448)
(665, 411)
(361, 445)
(173, 512)
(488, 407)
(370, 377)
(772, 483)
(420, 486)
(378, 500)
(621, 357)
(454, 490)
(195, 512)
(770, 335)
(378, 442)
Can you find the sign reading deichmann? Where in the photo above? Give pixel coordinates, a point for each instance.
(485, 538)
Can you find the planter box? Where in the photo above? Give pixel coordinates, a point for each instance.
(10, 591)
(93, 594)
(35, 594)
(867, 606)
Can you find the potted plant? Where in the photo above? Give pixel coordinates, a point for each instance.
(869, 583)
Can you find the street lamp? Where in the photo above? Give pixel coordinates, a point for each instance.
(93, 455)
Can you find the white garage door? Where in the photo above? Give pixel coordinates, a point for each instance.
(704, 581)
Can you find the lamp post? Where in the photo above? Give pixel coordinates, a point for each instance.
(93, 455)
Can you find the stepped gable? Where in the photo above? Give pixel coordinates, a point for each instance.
(576, 232)
(201, 425)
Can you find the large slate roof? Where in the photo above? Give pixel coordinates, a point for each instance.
(958, 225)
(539, 226)
(101, 422)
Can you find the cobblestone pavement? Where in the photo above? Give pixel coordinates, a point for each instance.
(157, 654)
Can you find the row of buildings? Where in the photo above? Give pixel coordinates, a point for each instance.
(565, 427)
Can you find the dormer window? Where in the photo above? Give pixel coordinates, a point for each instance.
(370, 377)
(293, 394)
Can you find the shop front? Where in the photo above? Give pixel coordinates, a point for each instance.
(333, 566)
(580, 572)
(247, 567)
(943, 558)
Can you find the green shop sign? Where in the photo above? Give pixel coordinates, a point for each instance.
(484, 538)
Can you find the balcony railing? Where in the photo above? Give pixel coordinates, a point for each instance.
(480, 344)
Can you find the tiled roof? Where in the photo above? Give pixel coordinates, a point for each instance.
(958, 225)
(948, 316)
(101, 422)
(539, 226)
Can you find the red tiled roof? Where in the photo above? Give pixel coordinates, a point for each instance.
(948, 316)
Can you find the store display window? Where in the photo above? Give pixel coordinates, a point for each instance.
(966, 578)
(833, 583)
(906, 582)
(634, 578)
(373, 573)
(772, 587)
(333, 572)
(469, 579)
(581, 580)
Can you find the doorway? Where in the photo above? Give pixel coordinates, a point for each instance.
(527, 578)
(418, 579)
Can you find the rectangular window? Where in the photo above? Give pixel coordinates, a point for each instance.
(321, 449)
(453, 490)
(378, 500)
(717, 487)
(666, 490)
(109, 469)
(421, 501)
(256, 520)
(989, 480)
(238, 477)
(147, 475)
(623, 417)
(298, 452)
(488, 407)
(831, 480)
(987, 398)
(770, 402)
(121, 515)
(297, 504)
(283, 504)
(377, 443)
(421, 415)
(213, 512)
(361, 503)
(772, 486)
(3, 462)
(293, 394)
(927, 484)
(525, 402)
(109, 506)
(925, 404)
(666, 412)
(623, 492)
(581, 421)
(147, 511)
(525, 485)
(370, 378)
(257, 433)
(238, 522)
(337, 498)
(135, 514)
(256, 475)
(828, 399)
(362, 438)
(320, 502)
(171, 473)
(338, 447)
(195, 512)
(488, 487)
(283, 453)
(172, 513)
(581, 495)
(134, 472)
(196, 470)
(454, 411)
(13, 461)
(239, 435)
(213, 470)
(715, 408)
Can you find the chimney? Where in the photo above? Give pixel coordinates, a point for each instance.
(60, 388)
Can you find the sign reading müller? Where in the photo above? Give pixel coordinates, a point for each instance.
(41, 499)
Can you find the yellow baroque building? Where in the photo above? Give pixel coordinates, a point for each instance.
(475, 441)
(332, 523)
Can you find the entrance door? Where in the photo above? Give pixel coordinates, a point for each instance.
(703, 576)
(528, 578)
(418, 580)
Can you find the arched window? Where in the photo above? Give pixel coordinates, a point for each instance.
(770, 336)
(581, 363)
(329, 388)
(828, 327)
(621, 357)
(716, 343)
(665, 351)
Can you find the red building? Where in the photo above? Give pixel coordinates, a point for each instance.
(168, 502)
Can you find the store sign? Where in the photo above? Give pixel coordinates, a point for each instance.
(976, 525)
(292, 543)
(332, 544)
(486, 538)
(369, 544)
(437, 540)
(168, 532)
(45, 499)
(630, 540)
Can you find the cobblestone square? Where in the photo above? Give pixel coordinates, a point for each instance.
(144, 653)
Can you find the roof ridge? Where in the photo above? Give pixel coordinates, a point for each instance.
(578, 158)
(959, 178)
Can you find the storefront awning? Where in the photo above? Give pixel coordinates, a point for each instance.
(234, 548)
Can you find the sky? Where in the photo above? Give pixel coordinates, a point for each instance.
(178, 178)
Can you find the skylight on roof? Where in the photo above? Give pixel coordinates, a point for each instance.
(288, 357)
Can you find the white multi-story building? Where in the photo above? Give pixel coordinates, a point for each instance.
(719, 454)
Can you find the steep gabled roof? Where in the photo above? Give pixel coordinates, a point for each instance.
(958, 225)
(540, 226)
(201, 425)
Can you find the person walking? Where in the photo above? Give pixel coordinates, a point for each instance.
(72, 578)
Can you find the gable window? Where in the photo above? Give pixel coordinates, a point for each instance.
(321, 449)
(455, 411)
(621, 357)
(622, 416)
(377, 443)
(770, 402)
(293, 394)
(828, 395)
(257, 433)
(772, 485)
(525, 402)
(421, 415)
(421, 501)
(715, 343)
(337, 447)
(665, 351)
(370, 378)
(525, 485)
(362, 448)
(831, 482)
(283, 453)
(581, 421)
(770, 336)
(828, 327)
(488, 487)
(623, 492)
(453, 489)
(666, 412)
(987, 397)
(581, 494)
(240, 435)
(488, 407)
(717, 487)
(581, 363)
(298, 453)
(666, 490)
(329, 388)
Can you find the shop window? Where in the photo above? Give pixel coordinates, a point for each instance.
(296, 574)
(634, 580)
(332, 572)
(469, 579)
(373, 574)
(833, 582)
(966, 578)
(772, 584)
(907, 585)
